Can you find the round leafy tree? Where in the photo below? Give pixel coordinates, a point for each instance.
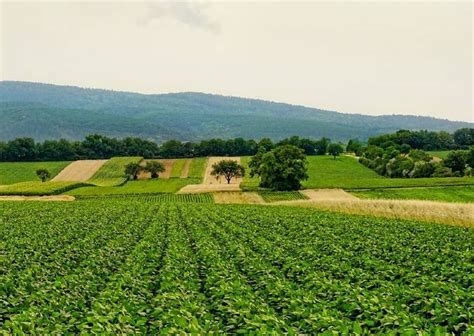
(43, 174)
(133, 169)
(227, 168)
(154, 168)
(283, 168)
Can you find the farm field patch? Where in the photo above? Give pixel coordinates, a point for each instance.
(463, 194)
(14, 172)
(39, 188)
(439, 154)
(112, 172)
(138, 187)
(81, 170)
(166, 197)
(347, 173)
(197, 167)
(275, 196)
(146, 267)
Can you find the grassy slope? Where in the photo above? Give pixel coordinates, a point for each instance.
(197, 167)
(138, 187)
(38, 188)
(347, 173)
(14, 172)
(446, 194)
(177, 167)
(112, 172)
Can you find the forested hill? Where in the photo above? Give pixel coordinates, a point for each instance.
(45, 111)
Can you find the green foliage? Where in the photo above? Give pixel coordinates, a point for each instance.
(456, 161)
(335, 150)
(275, 196)
(154, 186)
(354, 146)
(38, 188)
(228, 169)
(462, 194)
(153, 167)
(14, 172)
(112, 172)
(283, 168)
(124, 266)
(43, 174)
(133, 169)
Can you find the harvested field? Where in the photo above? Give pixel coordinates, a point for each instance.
(185, 170)
(63, 198)
(429, 211)
(210, 183)
(168, 163)
(231, 197)
(328, 194)
(81, 170)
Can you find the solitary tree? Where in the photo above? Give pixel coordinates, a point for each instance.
(133, 169)
(43, 174)
(227, 168)
(154, 168)
(335, 150)
(283, 168)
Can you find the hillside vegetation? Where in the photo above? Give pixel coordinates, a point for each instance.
(112, 172)
(463, 194)
(51, 112)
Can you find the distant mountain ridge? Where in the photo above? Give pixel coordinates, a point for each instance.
(46, 111)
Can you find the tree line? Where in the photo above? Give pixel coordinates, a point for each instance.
(97, 146)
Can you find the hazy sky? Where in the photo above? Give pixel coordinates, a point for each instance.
(359, 57)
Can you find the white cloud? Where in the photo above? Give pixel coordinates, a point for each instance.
(187, 12)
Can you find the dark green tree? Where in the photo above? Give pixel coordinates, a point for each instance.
(456, 160)
(43, 174)
(133, 169)
(227, 168)
(283, 168)
(154, 168)
(335, 150)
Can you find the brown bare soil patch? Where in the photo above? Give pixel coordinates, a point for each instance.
(209, 179)
(185, 170)
(429, 211)
(231, 197)
(81, 170)
(62, 198)
(328, 194)
(168, 163)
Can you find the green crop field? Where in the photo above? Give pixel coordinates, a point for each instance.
(125, 266)
(197, 168)
(275, 196)
(177, 167)
(347, 173)
(39, 188)
(170, 198)
(112, 173)
(464, 194)
(14, 172)
(138, 187)
(439, 154)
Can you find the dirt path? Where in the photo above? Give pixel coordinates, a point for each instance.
(80, 170)
(168, 163)
(185, 170)
(210, 183)
(63, 198)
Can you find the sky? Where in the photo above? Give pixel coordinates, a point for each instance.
(368, 57)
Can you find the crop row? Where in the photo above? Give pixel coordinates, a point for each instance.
(127, 266)
(165, 197)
